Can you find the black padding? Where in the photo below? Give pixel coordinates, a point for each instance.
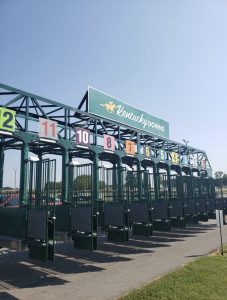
(13, 221)
(219, 203)
(160, 210)
(114, 214)
(201, 206)
(176, 208)
(62, 214)
(37, 225)
(211, 205)
(81, 219)
(138, 212)
(225, 203)
(189, 207)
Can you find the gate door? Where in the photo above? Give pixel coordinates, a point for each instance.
(115, 207)
(138, 188)
(176, 201)
(41, 210)
(83, 210)
(161, 210)
(200, 192)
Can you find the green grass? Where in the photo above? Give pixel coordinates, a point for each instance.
(202, 279)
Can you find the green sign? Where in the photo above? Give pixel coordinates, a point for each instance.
(7, 119)
(111, 108)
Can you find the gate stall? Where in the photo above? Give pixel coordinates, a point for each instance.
(220, 195)
(114, 203)
(84, 214)
(200, 194)
(137, 188)
(190, 209)
(160, 205)
(33, 224)
(176, 201)
(211, 202)
(41, 209)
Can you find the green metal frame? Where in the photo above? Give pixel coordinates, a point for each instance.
(29, 108)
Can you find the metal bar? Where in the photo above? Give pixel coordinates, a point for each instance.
(65, 174)
(24, 175)
(2, 156)
(85, 98)
(13, 100)
(8, 93)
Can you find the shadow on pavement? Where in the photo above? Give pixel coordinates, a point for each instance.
(19, 271)
(6, 296)
(95, 257)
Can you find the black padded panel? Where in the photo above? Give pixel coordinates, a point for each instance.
(189, 207)
(62, 214)
(139, 212)
(37, 225)
(160, 210)
(201, 206)
(9, 216)
(114, 214)
(176, 209)
(225, 202)
(81, 219)
(211, 205)
(219, 203)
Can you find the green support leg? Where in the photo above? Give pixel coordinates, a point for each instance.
(2, 156)
(95, 201)
(24, 175)
(139, 180)
(65, 174)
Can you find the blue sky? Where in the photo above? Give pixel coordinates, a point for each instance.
(165, 57)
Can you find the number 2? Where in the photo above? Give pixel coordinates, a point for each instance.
(9, 119)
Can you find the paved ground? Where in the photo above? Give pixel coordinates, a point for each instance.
(112, 271)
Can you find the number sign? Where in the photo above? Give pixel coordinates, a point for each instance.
(147, 151)
(203, 164)
(7, 119)
(130, 147)
(175, 158)
(162, 154)
(185, 160)
(109, 142)
(82, 137)
(48, 129)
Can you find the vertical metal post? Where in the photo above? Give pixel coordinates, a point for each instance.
(180, 190)
(155, 176)
(2, 156)
(70, 181)
(115, 183)
(65, 174)
(24, 175)
(95, 182)
(169, 184)
(39, 165)
(219, 217)
(119, 176)
(15, 177)
(139, 180)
